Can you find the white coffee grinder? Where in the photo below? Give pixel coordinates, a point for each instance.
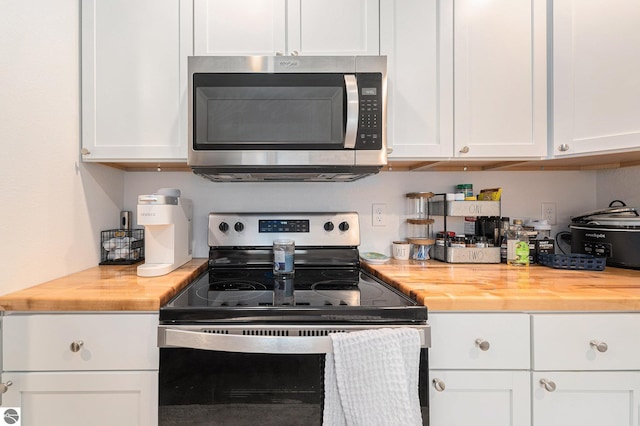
(167, 220)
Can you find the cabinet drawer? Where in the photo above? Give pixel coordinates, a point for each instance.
(586, 341)
(44, 342)
(479, 341)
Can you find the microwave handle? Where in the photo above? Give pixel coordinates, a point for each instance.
(353, 105)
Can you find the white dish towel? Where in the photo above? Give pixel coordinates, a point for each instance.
(371, 378)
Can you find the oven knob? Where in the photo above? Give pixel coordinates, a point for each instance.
(224, 226)
(239, 226)
(344, 226)
(328, 226)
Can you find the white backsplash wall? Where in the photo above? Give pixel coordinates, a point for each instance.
(573, 192)
(618, 184)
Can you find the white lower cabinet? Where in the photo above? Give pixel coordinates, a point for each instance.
(582, 398)
(540, 369)
(81, 369)
(586, 369)
(479, 398)
(479, 369)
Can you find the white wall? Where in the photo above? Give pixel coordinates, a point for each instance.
(53, 206)
(618, 184)
(523, 192)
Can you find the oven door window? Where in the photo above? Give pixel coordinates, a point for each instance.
(205, 387)
(269, 111)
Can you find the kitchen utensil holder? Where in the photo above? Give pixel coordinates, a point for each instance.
(121, 246)
(572, 261)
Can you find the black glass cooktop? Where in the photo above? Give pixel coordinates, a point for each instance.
(310, 295)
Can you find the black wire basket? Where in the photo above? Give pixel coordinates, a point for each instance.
(121, 246)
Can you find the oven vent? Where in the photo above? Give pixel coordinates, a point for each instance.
(265, 332)
(215, 331)
(307, 333)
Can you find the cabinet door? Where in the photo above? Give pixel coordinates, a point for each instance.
(586, 399)
(333, 27)
(96, 398)
(134, 84)
(419, 77)
(596, 95)
(480, 398)
(500, 78)
(240, 27)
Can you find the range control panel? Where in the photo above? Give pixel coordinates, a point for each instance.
(306, 229)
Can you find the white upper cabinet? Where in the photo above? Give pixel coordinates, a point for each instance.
(467, 78)
(596, 76)
(420, 77)
(286, 27)
(500, 69)
(134, 82)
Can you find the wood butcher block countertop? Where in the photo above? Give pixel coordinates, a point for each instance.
(498, 287)
(440, 286)
(104, 288)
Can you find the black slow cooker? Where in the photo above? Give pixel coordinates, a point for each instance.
(613, 233)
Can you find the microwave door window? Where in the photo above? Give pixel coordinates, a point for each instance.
(270, 117)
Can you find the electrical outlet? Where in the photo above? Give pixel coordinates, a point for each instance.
(379, 214)
(549, 213)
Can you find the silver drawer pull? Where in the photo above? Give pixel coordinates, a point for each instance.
(76, 346)
(438, 385)
(549, 386)
(600, 346)
(5, 386)
(483, 344)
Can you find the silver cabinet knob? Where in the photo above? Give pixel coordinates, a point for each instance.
(438, 385)
(563, 147)
(600, 346)
(389, 150)
(5, 386)
(464, 150)
(76, 346)
(294, 53)
(85, 151)
(549, 386)
(483, 344)
(279, 54)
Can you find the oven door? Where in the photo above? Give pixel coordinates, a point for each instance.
(268, 377)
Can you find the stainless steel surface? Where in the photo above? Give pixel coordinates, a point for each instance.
(281, 339)
(599, 346)
(623, 212)
(76, 346)
(226, 236)
(353, 105)
(438, 385)
(343, 165)
(548, 385)
(483, 344)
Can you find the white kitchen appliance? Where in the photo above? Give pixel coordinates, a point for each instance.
(167, 218)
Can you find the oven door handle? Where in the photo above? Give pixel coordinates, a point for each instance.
(353, 106)
(168, 338)
(244, 344)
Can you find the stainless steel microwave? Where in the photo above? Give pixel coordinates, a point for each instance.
(287, 118)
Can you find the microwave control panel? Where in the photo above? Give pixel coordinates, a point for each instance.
(370, 114)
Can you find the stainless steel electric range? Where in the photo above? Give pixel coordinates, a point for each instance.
(242, 343)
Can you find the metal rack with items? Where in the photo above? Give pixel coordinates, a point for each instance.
(463, 251)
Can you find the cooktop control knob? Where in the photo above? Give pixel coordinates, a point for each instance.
(344, 226)
(239, 226)
(328, 226)
(224, 226)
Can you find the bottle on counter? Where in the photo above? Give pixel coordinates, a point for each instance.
(502, 238)
(517, 245)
